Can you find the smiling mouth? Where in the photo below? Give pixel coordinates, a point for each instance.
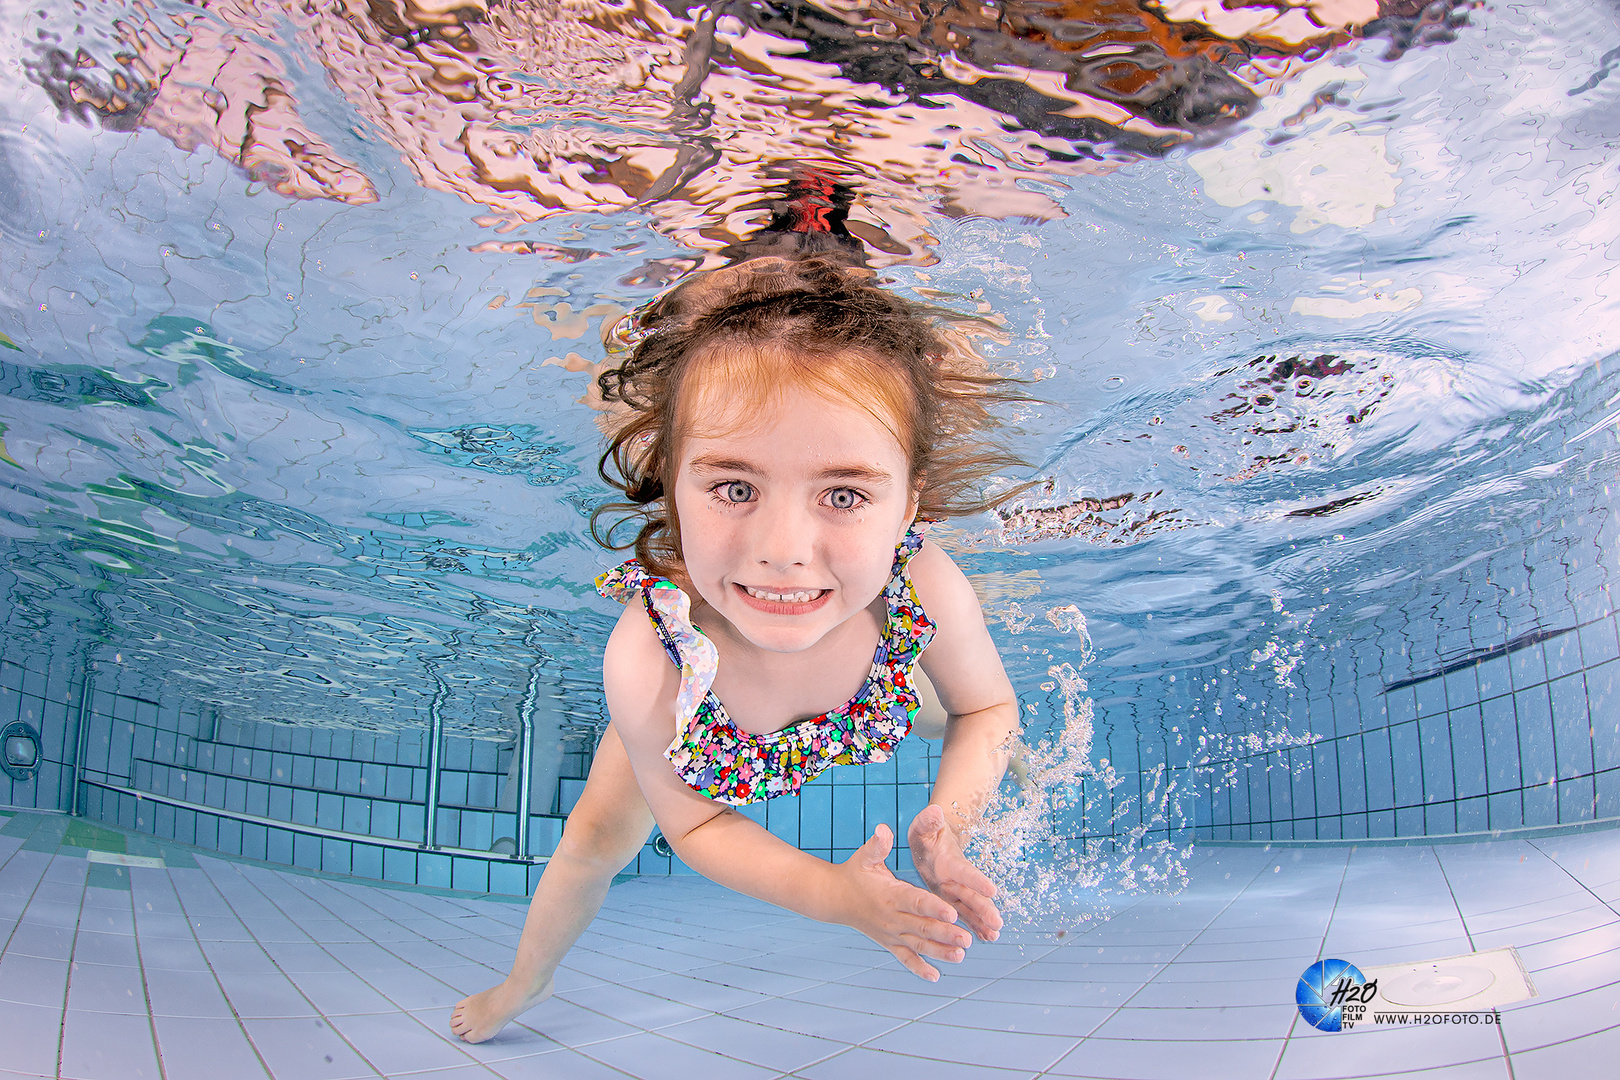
(801, 596)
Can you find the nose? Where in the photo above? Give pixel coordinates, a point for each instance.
(785, 536)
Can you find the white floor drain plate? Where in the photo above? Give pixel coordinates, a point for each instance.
(1481, 980)
(1434, 984)
(118, 858)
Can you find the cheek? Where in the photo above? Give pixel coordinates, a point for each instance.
(864, 559)
(707, 538)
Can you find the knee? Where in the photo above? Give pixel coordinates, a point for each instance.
(605, 842)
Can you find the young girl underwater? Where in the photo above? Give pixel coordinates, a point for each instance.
(784, 426)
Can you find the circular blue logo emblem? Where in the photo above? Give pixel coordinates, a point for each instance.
(1333, 994)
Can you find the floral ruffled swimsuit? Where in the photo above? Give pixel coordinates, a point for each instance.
(715, 758)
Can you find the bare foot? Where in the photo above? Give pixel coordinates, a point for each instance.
(481, 1016)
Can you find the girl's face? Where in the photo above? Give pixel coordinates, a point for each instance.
(789, 520)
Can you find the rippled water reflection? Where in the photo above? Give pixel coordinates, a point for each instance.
(302, 302)
(538, 109)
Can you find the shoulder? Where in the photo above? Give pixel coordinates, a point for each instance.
(635, 668)
(633, 643)
(944, 590)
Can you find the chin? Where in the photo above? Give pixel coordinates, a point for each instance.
(782, 639)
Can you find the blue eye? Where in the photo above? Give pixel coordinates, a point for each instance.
(844, 498)
(736, 491)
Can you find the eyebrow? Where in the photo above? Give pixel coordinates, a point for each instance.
(855, 472)
(714, 464)
(710, 463)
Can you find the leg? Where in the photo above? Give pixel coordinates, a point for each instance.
(605, 830)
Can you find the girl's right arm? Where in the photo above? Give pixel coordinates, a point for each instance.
(640, 684)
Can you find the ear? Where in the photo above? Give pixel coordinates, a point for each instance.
(916, 501)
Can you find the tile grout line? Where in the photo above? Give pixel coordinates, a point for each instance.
(67, 989)
(146, 989)
(1589, 891)
(304, 888)
(301, 891)
(247, 1037)
(1587, 888)
(272, 960)
(1079, 1039)
(1501, 1033)
(900, 1022)
(903, 1022)
(26, 904)
(454, 915)
(1452, 892)
(712, 1012)
(1185, 946)
(767, 920)
(1293, 1023)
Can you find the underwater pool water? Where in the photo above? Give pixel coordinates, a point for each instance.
(302, 306)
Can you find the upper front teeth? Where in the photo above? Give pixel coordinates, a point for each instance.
(784, 598)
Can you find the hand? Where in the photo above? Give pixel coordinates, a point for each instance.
(937, 855)
(910, 922)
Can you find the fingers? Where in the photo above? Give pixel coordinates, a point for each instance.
(976, 910)
(914, 924)
(965, 873)
(962, 879)
(969, 891)
(951, 947)
(915, 964)
(935, 928)
(924, 932)
(932, 950)
(876, 850)
(929, 906)
(912, 948)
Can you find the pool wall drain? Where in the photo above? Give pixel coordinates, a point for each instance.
(1467, 983)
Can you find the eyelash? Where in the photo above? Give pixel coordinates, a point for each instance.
(719, 496)
(717, 493)
(848, 509)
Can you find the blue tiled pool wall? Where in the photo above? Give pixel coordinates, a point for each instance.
(44, 695)
(336, 788)
(1492, 705)
(1522, 738)
(1525, 740)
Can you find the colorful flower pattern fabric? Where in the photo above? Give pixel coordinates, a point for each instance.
(716, 758)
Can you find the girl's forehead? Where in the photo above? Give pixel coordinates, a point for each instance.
(719, 406)
(746, 379)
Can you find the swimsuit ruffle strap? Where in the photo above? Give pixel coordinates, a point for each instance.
(671, 613)
(908, 546)
(909, 630)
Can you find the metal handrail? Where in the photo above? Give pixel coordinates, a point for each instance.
(430, 804)
(525, 750)
(81, 732)
(310, 830)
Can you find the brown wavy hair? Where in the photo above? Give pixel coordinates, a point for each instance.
(813, 323)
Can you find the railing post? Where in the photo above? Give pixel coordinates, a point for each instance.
(525, 749)
(430, 805)
(81, 734)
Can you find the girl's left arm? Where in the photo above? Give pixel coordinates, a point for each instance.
(966, 670)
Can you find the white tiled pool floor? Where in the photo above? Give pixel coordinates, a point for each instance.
(227, 969)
